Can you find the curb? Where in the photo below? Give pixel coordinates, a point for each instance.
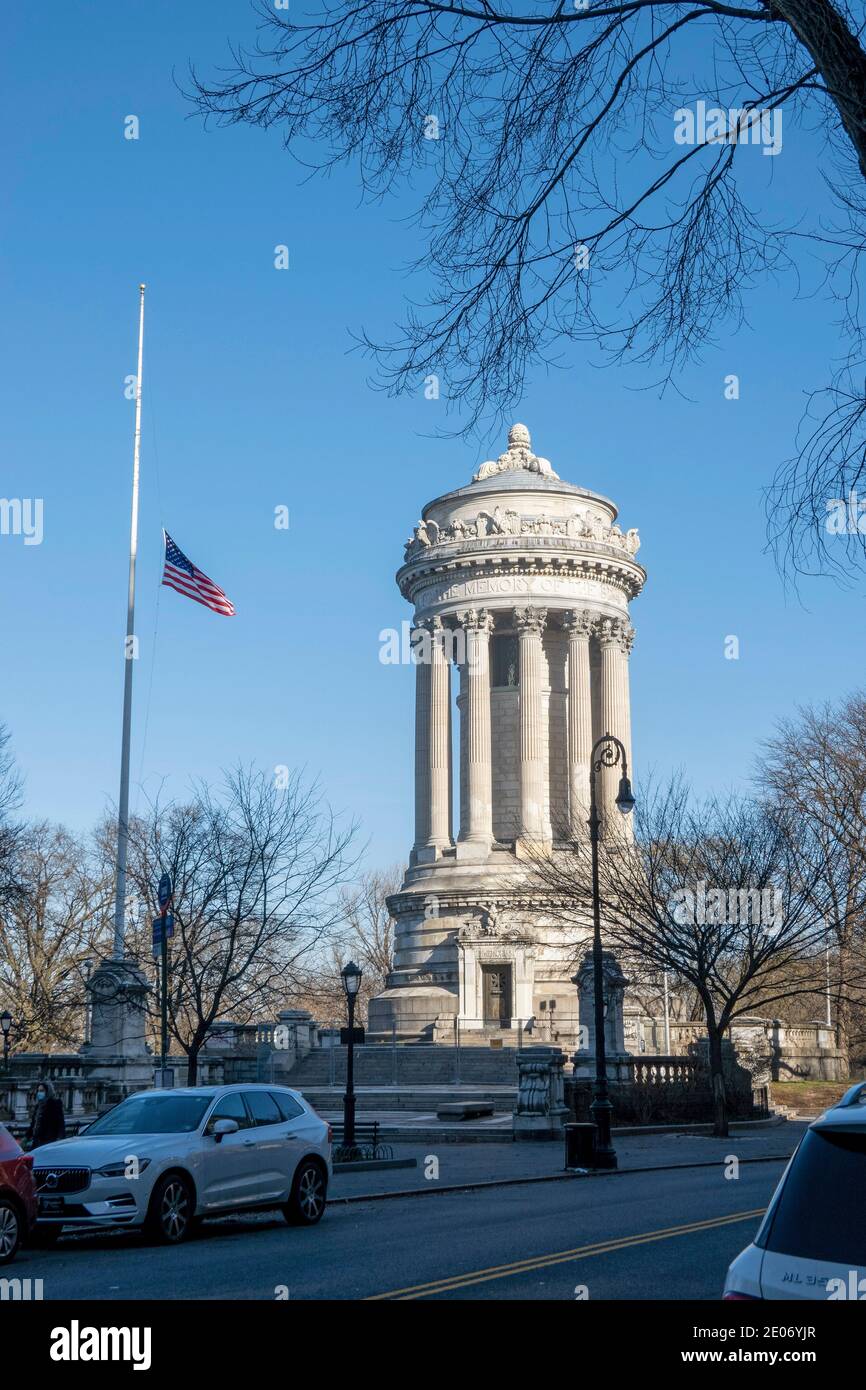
(564, 1176)
(502, 1134)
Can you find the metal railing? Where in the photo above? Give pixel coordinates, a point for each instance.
(444, 1050)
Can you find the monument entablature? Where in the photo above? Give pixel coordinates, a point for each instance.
(548, 570)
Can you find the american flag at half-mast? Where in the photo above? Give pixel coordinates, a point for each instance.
(181, 574)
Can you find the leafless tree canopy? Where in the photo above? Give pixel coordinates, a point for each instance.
(538, 134)
(816, 765)
(257, 872)
(729, 895)
(10, 830)
(365, 935)
(369, 926)
(56, 922)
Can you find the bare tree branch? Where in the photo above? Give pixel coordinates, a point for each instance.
(552, 184)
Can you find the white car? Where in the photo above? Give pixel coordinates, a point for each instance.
(812, 1241)
(162, 1160)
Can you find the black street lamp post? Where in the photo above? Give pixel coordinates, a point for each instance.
(612, 752)
(351, 975)
(5, 1028)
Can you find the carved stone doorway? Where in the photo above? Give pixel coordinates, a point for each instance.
(497, 994)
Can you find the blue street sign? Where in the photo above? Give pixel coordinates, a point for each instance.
(165, 890)
(156, 924)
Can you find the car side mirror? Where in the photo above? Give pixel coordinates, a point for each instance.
(222, 1127)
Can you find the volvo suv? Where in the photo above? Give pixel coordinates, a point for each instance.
(162, 1160)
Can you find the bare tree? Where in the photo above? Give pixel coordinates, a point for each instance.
(555, 183)
(365, 935)
(816, 764)
(257, 871)
(10, 829)
(54, 924)
(726, 894)
(369, 931)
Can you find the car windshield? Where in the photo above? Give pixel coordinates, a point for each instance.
(821, 1212)
(154, 1114)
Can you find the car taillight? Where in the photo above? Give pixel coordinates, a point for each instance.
(330, 1134)
(742, 1298)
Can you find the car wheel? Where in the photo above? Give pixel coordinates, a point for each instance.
(306, 1205)
(10, 1230)
(170, 1214)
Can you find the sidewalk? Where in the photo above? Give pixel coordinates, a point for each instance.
(471, 1163)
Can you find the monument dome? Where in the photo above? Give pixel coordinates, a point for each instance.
(520, 584)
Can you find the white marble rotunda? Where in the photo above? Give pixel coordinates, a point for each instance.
(521, 585)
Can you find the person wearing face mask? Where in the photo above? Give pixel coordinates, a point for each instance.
(47, 1123)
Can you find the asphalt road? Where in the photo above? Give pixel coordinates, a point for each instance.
(661, 1235)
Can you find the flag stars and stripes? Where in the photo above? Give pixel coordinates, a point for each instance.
(182, 575)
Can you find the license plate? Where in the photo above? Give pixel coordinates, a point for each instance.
(50, 1206)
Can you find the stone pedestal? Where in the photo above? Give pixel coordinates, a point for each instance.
(541, 1110)
(118, 1046)
(615, 982)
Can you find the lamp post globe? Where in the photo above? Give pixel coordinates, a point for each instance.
(351, 977)
(624, 798)
(5, 1028)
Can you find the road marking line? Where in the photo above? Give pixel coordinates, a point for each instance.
(580, 1252)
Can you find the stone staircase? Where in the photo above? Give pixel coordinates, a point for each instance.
(410, 1078)
(408, 1100)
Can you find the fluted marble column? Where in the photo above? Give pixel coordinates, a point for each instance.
(578, 624)
(440, 740)
(530, 626)
(476, 835)
(433, 745)
(615, 638)
(422, 741)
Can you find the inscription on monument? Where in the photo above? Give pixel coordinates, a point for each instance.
(515, 586)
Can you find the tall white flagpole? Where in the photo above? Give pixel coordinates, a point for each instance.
(129, 657)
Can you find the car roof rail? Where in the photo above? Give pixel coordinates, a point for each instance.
(855, 1095)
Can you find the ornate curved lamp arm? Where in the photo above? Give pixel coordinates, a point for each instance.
(612, 751)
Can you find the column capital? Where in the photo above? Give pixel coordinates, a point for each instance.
(475, 620)
(578, 622)
(432, 625)
(530, 621)
(616, 632)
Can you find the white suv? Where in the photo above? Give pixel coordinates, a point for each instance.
(812, 1241)
(162, 1160)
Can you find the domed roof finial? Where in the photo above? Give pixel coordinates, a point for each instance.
(518, 437)
(518, 456)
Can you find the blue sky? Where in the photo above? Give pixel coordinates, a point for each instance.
(253, 400)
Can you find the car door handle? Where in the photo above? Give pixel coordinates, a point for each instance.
(249, 1143)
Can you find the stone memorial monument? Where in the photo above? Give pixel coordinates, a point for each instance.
(521, 585)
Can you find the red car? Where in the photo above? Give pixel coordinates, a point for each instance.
(17, 1196)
